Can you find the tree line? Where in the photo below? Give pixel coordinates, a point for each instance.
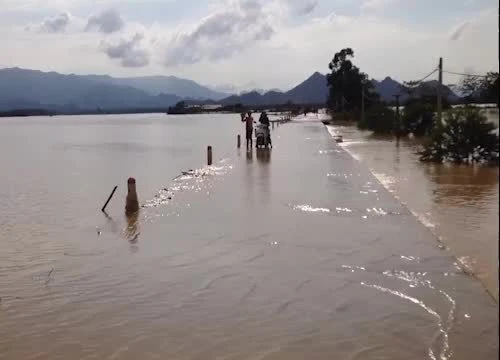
(465, 135)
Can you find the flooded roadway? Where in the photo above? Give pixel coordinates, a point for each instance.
(289, 254)
(459, 204)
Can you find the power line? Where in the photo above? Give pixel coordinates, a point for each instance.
(425, 77)
(462, 74)
(417, 82)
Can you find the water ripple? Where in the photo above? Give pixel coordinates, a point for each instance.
(416, 279)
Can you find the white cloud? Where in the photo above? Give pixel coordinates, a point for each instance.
(226, 31)
(263, 42)
(301, 7)
(63, 23)
(55, 24)
(131, 53)
(107, 22)
(372, 5)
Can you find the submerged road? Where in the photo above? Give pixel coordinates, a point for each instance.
(293, 253)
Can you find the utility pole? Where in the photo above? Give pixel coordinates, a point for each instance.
(439, 95)
(362, 103)
(398, 122)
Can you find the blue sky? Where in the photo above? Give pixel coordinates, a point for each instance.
(246, 44)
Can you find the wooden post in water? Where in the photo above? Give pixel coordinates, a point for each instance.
(109, 199)
(131, 202)
(209, 155)
(239, 141)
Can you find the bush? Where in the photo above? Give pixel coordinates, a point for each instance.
(419, 115)
(379, 118)
(465, 137)
(418, 118)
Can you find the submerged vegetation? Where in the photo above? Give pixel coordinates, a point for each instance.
(465, 136)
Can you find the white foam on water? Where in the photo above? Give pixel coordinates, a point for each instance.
(331, 151)
(467, 261)
(309, 208)
(410, 258)
(442, 331)
(377, 211)
(440, 339)
(425, 220)
(345, 210)
(387, 181)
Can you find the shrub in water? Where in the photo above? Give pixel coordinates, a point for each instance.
(418, 118)
(380, 119)
(465, 137)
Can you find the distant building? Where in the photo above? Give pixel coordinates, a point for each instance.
(211, 107)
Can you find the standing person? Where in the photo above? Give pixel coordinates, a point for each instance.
(249, 129)
(264, 120)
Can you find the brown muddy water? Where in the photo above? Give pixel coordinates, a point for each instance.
(458, 203)
(294, 253)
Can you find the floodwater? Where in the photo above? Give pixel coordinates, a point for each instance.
(294, 253)
(458, 203)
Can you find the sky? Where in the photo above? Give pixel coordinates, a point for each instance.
(245, 44)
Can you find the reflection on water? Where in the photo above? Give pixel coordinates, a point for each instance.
(263, 155)
(132, 230)
(458, 203)
(462, 185)
(249, 156)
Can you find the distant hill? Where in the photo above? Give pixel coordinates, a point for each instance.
(429, 88)
(32, 89)
(313, 90)
(388, 87)
(26, 89)
(155, 85)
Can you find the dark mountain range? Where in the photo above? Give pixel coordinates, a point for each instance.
(31, 89)
(388, 87)
(313, 90)
(155, 85)
(21, 89)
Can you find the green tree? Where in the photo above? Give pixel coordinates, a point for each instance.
(380, 119)
(345, 84)
(180, 105)
(419, 114)
(480, 89)
(465, 137)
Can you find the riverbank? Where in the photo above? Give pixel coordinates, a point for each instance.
(294, 253)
